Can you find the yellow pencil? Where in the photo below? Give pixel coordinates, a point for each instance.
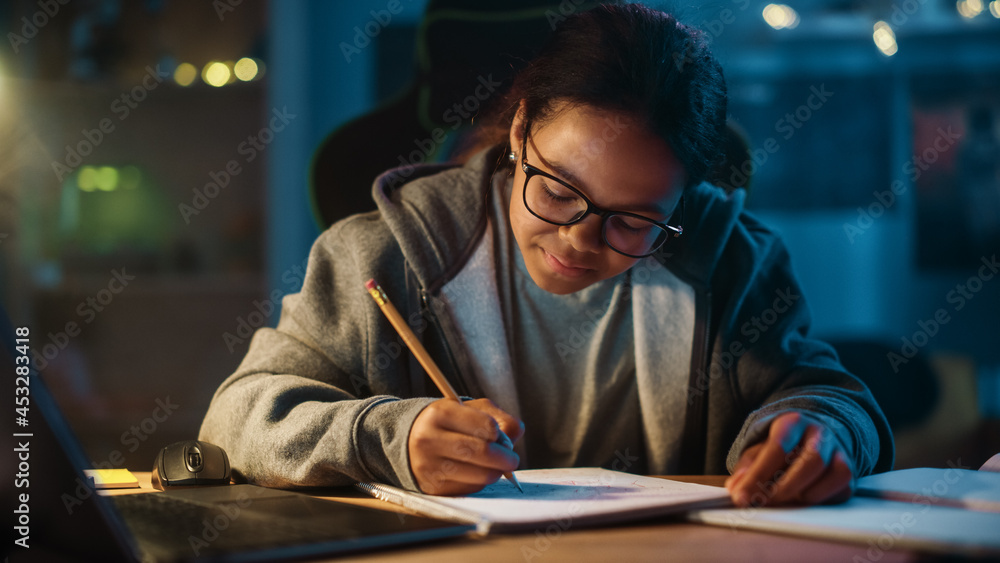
(422, 356)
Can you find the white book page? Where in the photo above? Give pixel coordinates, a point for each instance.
(881, 524)
(976, 490)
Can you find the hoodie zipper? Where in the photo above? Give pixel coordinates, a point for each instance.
(428, 313)
(693, 461)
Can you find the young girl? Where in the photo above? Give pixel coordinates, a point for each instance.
(603, 305)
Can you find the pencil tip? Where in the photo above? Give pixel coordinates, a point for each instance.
(510, 477)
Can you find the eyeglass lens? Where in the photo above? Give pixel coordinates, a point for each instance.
(556, 203)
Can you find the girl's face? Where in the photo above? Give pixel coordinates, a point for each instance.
(616, 163)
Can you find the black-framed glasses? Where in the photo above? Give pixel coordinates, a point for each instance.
(557, 202)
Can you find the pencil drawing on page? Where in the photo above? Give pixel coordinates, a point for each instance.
(566, 490)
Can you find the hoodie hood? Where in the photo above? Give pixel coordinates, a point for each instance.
(418, 203)
(710, 215)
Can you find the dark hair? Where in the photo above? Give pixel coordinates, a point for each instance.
(631, 59)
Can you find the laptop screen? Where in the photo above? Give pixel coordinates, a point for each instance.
(56, 515)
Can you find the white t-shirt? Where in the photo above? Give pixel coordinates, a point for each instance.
(574, 366)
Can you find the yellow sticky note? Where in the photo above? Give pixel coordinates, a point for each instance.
(112, 478)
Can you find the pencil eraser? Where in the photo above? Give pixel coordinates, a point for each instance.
(372, 284)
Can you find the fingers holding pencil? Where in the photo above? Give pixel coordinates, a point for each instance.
(508, 430)
(507, 425)
(456, 448)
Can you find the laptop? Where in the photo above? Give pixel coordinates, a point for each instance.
(57, 516)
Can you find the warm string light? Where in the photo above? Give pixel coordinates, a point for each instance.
(885, 39)
(185, 74)
(246, 69)
(216, 73)
(220, 73)
(780, 16)
(969, 9)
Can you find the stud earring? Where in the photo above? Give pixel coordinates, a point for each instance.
(512, 156)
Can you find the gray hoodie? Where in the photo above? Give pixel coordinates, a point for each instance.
(328, 397)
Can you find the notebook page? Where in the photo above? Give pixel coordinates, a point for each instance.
(883, 525)
(953, 486)
(583, 495)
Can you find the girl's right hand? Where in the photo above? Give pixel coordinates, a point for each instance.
(454, 448)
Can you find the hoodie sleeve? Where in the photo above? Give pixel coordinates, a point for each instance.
(775, 367)
(313, 403)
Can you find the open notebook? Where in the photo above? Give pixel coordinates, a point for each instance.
(948, 511)
(928, 486)
(569, 497)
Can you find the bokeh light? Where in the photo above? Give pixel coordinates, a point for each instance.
(185, 74)
(246, 69)
(86, 179)
(969, 9)
(107, 178)
(216, 73)
(885, 39)
(780, 16)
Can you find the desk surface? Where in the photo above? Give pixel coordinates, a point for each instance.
(655, 540)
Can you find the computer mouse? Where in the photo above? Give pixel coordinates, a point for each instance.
(191, 463)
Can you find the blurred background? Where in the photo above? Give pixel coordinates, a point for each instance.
(166, 164)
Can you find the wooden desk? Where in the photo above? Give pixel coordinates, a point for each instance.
(655, 540)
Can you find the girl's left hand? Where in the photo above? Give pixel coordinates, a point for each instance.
(800, 462)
